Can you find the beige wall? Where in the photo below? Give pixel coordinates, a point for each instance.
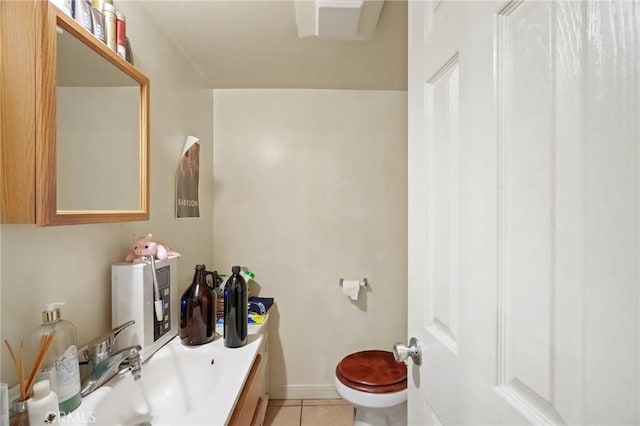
(72, 263)
(310, 186)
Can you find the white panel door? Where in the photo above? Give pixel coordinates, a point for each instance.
(524, 212)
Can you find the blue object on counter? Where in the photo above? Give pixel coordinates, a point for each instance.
(256, 305)
(260, 305)
(251, 319)
(221, 321)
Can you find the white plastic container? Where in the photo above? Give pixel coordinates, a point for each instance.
(247, 275)
(63, 5)
(4, 404)
(61, 366)
(43, 407)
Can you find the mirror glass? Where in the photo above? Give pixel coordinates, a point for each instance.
(98, 131)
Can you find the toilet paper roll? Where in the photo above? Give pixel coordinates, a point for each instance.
(351, 288)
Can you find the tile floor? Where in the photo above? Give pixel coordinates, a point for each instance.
(308, 412)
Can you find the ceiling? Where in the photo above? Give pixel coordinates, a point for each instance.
(255, 44)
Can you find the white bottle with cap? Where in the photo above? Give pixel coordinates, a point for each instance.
(61, 366)
(43, 407)
(247, 275)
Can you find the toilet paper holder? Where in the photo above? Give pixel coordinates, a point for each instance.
(363, 282)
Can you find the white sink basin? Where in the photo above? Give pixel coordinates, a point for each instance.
(179, 385)
(170, 387)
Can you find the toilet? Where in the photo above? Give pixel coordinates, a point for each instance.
(376, 385)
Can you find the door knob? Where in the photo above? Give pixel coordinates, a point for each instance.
(402, 352)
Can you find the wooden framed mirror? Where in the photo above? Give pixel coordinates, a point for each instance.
(92, 132)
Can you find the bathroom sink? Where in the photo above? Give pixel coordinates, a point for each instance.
(179, 386)
(172, 384)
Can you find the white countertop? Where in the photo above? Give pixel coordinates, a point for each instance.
(220, 394)
(217, 408)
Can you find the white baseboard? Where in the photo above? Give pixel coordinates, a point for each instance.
(303, 392)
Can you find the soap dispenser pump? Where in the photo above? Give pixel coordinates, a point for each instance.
(61, 366)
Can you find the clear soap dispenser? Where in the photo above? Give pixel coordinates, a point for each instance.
(61, 366)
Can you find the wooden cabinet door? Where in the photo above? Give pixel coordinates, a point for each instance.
(250, 400)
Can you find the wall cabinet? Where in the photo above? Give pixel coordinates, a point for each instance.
(74, 123)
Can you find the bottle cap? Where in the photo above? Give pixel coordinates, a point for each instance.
(235, 270)
(41, 389)
(52, 312)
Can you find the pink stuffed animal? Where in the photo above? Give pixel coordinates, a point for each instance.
(145, 246)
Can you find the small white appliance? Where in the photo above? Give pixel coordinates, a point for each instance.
(155, 309)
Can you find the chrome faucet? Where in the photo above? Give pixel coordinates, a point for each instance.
(102, 364)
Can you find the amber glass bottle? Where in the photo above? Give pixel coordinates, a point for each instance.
(198, 310)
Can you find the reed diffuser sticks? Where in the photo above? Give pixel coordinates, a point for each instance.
(46, 341)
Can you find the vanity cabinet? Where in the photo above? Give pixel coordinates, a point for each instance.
(74, 128)
(251, 405)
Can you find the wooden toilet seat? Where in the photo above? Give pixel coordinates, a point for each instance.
(373, 372)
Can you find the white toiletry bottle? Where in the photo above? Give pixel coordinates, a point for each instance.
(43, 407)
(247, 275)
(61, 366)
